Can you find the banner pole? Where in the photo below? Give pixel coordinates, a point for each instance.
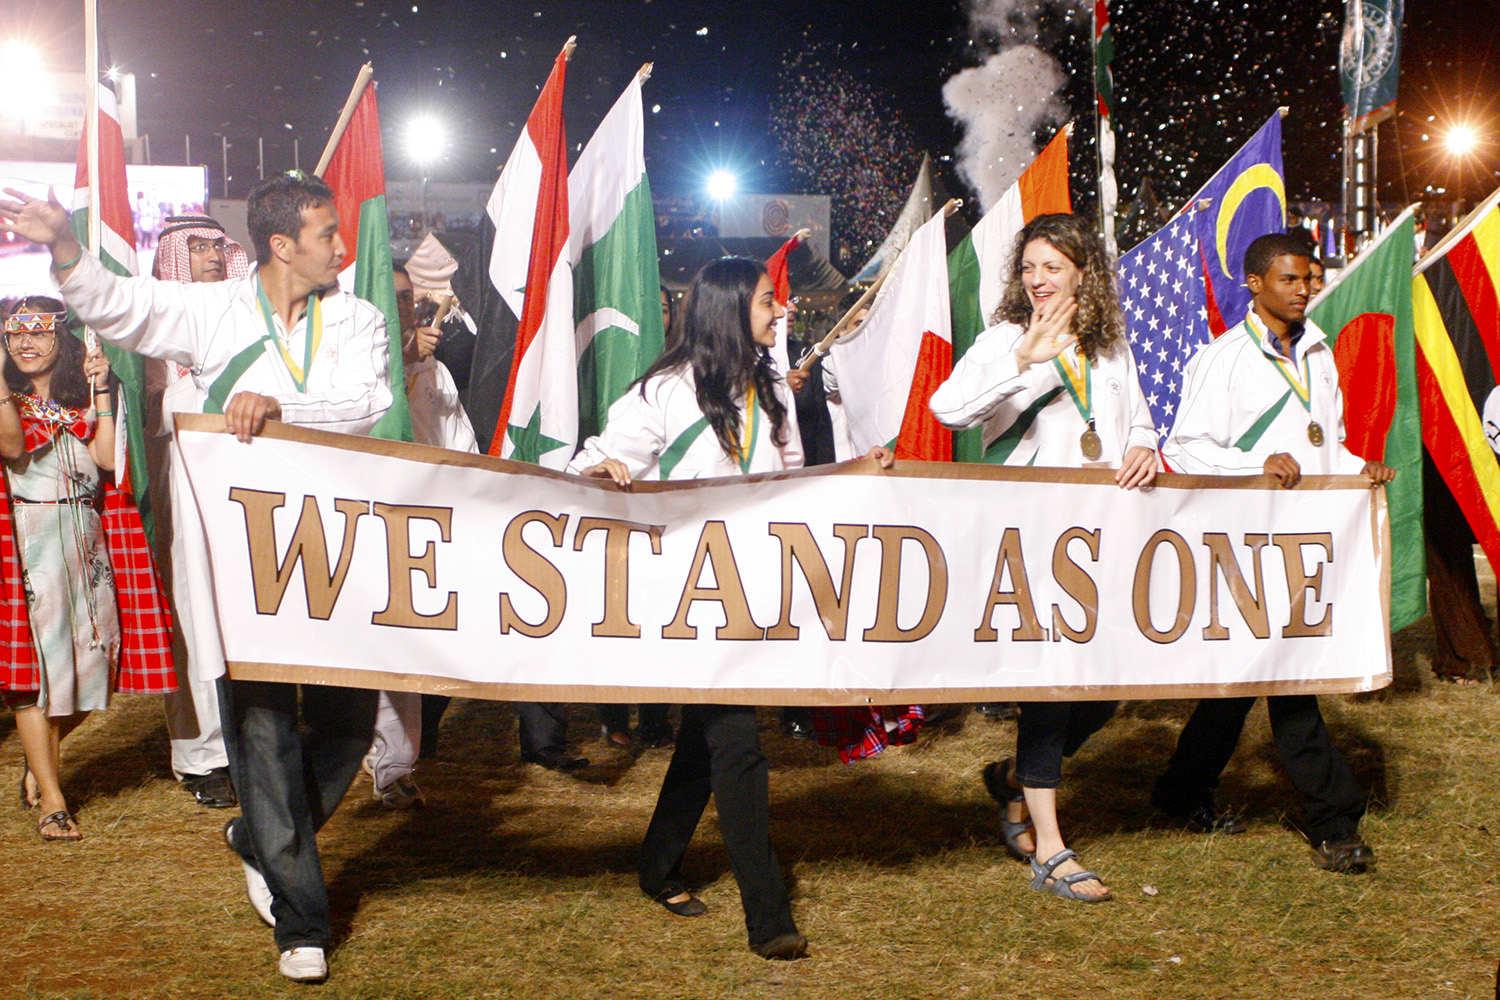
(821, 348)
(361, 80)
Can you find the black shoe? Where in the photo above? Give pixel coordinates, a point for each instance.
(1349, 855)
(999, 711)
(1207, 818)
(783, 946)
(690, 907)
(1210, 819)
(554, 759)
(213, 790)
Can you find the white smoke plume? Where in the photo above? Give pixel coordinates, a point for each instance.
(1003, 102)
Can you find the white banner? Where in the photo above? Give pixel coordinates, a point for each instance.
(370, 563)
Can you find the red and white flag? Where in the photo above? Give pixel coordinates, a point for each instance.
(538, 419)
(903, 351)
(116, 224)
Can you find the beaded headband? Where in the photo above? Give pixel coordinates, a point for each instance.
(48, 322)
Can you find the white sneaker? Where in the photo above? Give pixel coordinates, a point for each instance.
(259, 893)
(303, 965)
(255, 882)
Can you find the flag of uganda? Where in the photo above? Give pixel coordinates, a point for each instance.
(1456, 308)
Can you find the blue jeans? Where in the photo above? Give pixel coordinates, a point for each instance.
(289, 785)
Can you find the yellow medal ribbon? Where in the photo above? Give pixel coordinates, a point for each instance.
(1080, 384)
(745, 451)
(1288, 370)
(314, 338)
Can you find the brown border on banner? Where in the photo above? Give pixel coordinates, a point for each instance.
(214, 424)
(380, 680)
(427, 684)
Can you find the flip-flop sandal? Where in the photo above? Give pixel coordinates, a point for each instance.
(1043, 879)
(63, 820)
(997, 783)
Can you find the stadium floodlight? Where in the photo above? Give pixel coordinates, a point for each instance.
(25, 84)
(721, 185)
(1461, 140)
(426, 139)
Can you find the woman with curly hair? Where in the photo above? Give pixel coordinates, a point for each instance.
(1054, 382)
(57, 432)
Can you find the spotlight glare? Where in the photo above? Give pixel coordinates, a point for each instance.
(20, 58)
(425, 139)
(721, 185)
(1461, 140)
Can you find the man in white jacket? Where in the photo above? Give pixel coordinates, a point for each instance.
(1264, 398)
(286, 344)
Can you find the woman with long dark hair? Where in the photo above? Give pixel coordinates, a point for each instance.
(711, 405)
(1054, 379)
(57, 432)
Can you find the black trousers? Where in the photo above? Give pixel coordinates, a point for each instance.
(1332, 798)
(1048, 731)
(616, 718)
(718, 752)
(543, 725)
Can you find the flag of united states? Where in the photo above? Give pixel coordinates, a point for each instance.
(1166, 313)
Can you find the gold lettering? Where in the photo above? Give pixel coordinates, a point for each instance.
(798, 545)
(887, 628)
(1187, 587)
(269, 577)
(1299, 582)
(1077, 584)
(536, 572)
(400, 564)
(1008, 561)
(728, 590)
(1252, 607)
(616, 621)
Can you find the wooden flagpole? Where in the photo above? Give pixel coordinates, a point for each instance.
(361, 80)
(91, 116)
(821, 348)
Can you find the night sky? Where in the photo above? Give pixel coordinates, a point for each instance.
(1192, 80)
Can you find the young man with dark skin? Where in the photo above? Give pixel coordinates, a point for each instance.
(1264, 398)
(283, 343)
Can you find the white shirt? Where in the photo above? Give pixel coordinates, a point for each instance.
(663, 435)
(1236, 383)
(987, 388)
(437, 415)
(204, 326)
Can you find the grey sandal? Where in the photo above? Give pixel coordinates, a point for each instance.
(1042, 879)
(997, 783)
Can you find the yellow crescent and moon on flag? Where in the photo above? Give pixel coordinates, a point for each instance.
(1254, 178)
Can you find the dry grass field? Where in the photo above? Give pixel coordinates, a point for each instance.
(517, 882)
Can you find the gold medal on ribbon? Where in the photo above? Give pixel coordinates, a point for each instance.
(1090, 443)
(1315, 433)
